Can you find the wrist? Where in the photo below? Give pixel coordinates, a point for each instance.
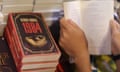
(83, 51)
(83, 63)
(82, 54)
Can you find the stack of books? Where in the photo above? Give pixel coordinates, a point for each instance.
(31, 43)
(51, 9)
(9, 6)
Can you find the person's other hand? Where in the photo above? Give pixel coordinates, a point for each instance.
(115, 29)
(72, 38)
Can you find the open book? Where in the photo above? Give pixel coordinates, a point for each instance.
(93, 17)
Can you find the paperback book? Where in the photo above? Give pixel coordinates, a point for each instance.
(7, 63)
(34, 39)
(93, 17)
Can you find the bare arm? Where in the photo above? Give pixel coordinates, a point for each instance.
(73, 41)
(115, 29)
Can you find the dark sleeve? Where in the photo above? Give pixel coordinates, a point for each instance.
(64, 59)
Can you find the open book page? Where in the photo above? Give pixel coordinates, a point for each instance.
(93, 17)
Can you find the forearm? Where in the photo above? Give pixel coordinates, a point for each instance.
(118, 65)
(83, 62)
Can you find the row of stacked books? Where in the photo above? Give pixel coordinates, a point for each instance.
(52, 9)
(8, 6)
(31, 44)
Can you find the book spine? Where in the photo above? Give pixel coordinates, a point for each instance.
(15, 41)
(11, 46)
(15, 35)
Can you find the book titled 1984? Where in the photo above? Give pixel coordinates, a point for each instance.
(33, 38)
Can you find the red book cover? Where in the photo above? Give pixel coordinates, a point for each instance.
(34, 39)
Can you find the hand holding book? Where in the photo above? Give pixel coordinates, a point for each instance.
(74, 42)
(71, 36)
(115, 29)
